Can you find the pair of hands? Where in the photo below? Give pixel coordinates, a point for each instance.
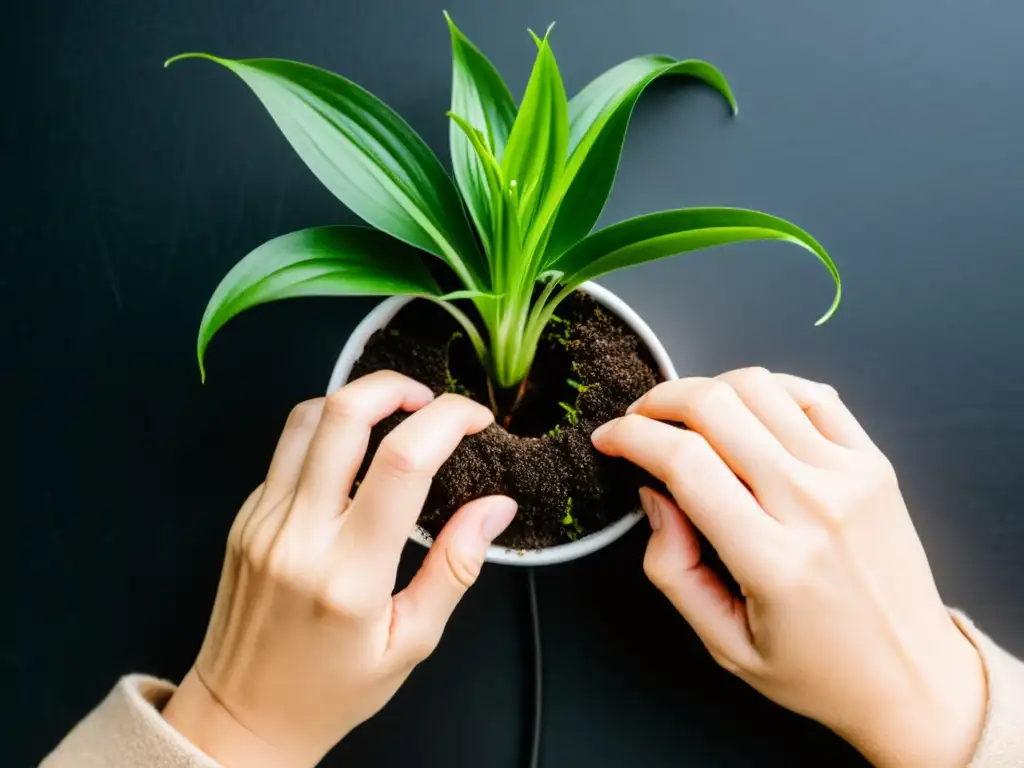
(839, 617)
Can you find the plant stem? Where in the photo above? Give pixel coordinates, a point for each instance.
(490, 394)
(520, 394)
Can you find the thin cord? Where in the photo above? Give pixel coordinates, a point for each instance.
(538, 671)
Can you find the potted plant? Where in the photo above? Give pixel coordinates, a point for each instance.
(491, 275)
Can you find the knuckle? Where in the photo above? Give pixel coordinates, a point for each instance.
(258, 537)
(657, 570)
(827, 392)
(822, 397)
(464, 569)
(878, 466)
(804, 565)
(381, 377)
(344, 599)
(754, 376)
(689, 452)
(416, 636)
(708, 398)
(306, 413)
(250, 545)
(835, 514)
(421, 646)
(284, 556)
(256, 553)
(453, 399)
(630, 424)
(401, 458)
(469, 407)
(245, 514)
(341, 404)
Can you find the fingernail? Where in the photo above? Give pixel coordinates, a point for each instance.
(499, 514)
(602, 431)
(652, 507)
(635, 405)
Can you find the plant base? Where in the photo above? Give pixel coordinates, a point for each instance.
(588, 369)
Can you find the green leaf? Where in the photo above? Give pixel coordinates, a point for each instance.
(658, 235)
(322, 261)
(367, 156)
(598, 118)
(536, 150)
(492, 183)
(481, 98)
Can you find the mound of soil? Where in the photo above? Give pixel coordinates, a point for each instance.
(589, 368)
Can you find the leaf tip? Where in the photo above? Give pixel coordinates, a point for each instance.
(832, 309)
(730, 98)
(200, 350)
(541, 40)
(191, 55)
(734, 105)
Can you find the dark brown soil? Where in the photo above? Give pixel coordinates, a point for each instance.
(588, 369)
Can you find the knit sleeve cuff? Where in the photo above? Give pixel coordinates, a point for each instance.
(127, 729)
(1002, 739)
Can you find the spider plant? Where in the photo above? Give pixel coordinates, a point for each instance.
(530, 183)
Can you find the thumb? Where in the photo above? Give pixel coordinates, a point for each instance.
(452, 566)
(674, 564)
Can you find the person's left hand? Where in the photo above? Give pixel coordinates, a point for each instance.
(306, 640)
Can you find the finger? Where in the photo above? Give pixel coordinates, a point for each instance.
(826, 412)
(673, 564)
(339, 443)
(391, 496)
(712, 496)
(714, 410)
(291, 449)
(773, 406)
(451, 567)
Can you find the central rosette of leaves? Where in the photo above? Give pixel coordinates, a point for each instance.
(533, 178)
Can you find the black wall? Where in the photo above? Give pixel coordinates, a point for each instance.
(891, 130)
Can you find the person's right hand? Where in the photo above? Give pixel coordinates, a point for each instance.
(839, 618)
(306, 639)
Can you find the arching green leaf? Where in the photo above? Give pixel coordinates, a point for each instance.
(322, 261)
(668, 233)
(598, 118)
(536, 150)
(481, 98)
(367, 156)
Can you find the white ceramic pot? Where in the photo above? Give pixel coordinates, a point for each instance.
(382, 314)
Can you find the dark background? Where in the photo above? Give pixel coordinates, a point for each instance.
(890, 130)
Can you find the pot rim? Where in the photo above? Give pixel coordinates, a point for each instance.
(383, 313)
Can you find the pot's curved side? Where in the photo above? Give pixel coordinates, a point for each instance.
(382, 314)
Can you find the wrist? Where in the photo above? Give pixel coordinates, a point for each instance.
(196, 713)
(939, 725)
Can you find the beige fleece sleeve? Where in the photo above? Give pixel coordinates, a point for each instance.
(1002, 740)
(127, 731)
